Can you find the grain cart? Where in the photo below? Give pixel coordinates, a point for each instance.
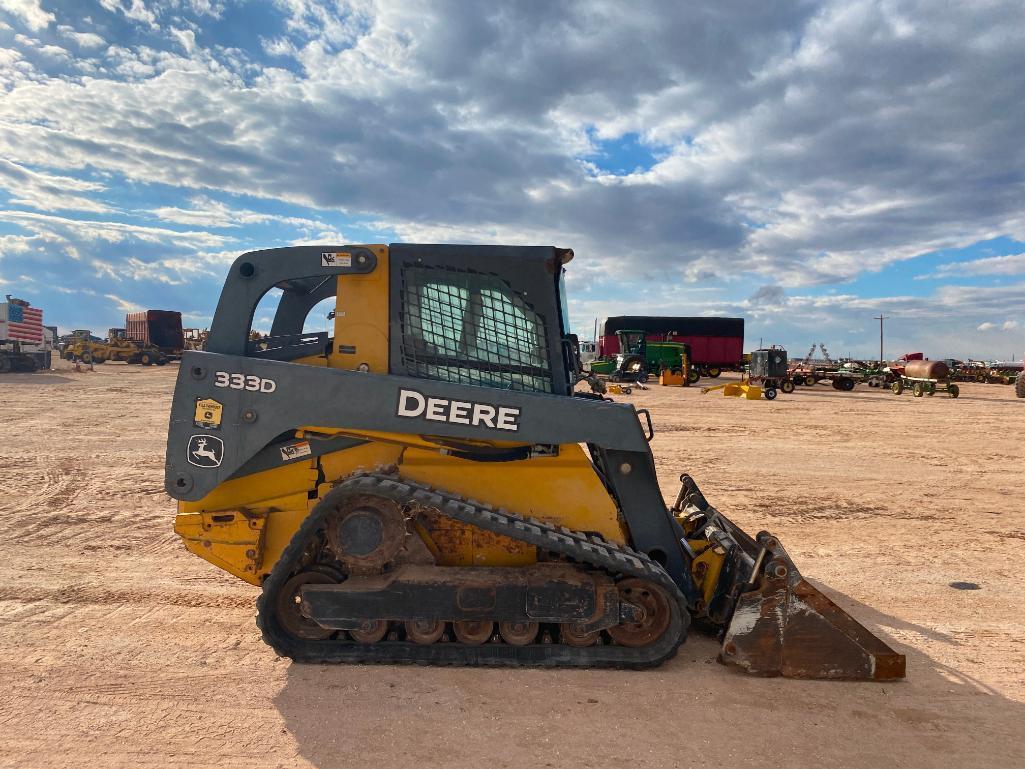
(924, 377)
(23, 340)
(424, 486)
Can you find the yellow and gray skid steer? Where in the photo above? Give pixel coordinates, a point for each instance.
(425, 485)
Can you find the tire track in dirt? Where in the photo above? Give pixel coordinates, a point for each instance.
(93, 594)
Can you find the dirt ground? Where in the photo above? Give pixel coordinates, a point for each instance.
(118, 648)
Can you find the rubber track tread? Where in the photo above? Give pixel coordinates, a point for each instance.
(589, 549)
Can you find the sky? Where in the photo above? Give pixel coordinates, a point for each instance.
(805, 165)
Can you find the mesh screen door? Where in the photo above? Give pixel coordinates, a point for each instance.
(472, 328)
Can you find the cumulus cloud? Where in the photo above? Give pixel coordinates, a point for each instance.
(804, 142)
(1009, 264)
(135, 10)
(109, 231)
(214, 214)
(850, 133)
(46, 191)
(83, 39)
(29, 12)
(1007, 325)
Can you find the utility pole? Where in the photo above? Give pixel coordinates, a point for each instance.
(881, 318)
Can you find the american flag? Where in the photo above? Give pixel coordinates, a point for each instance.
(24, 323)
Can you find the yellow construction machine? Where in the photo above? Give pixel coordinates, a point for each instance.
(425, 484)
(117, 347)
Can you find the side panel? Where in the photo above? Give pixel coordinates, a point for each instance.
(262, 399)
(361, 319)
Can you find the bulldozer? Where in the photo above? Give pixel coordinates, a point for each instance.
(425, 484)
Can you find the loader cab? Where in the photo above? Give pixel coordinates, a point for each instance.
(492, 316)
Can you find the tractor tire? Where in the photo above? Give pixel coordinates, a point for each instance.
(847, 384)
(798, 380)
(694, 376)
(953, 390)
(146, 359)
(99, 359)
(1019, 385)
(769, 393)
(897, 387)
(86, 357)
(787, 386)
(918, 390)
(713, 371)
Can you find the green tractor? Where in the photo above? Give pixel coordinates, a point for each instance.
(637, 358)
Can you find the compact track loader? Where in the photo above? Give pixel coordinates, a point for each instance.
(425, 485)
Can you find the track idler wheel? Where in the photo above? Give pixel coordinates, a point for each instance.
(654, 602)
(370, 631)
(571, 634)
(425, 631)
(473, 632)
(287, 609)
(518, 633)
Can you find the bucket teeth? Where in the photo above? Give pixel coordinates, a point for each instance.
(786, 627)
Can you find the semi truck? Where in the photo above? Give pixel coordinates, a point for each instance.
(23, 345)
(160, 328)
(716, 344)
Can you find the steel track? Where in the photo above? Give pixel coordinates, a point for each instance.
(616, 560)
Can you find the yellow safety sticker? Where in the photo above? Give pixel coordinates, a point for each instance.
(208, 413)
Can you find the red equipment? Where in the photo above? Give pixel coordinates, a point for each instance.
(715, 343)
(160, 328)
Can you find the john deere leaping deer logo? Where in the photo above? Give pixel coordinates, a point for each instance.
(205, 451)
